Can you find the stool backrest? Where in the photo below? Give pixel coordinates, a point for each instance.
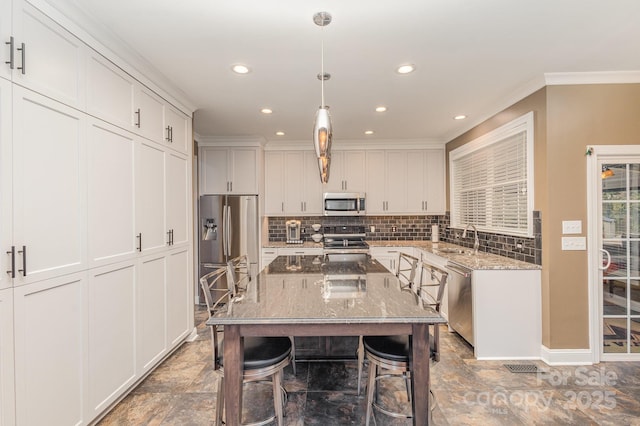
(238, 274)
(208, 285)
(406, 272)
(432, 283)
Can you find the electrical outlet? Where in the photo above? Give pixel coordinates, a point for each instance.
(574, 243)
(372, 228)
(394, 228)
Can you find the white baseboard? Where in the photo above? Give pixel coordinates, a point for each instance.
(193, 336)
(567, 356)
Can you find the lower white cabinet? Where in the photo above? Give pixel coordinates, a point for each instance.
(151, 315)
(179, 300)
(7, 393)
(388, 256)
(51, 339)
(269, 254)
(112, 334)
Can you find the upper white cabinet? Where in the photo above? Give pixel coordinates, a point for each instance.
(426, 182)
(148, 112)
(110, 92)
(5, 36)
(405, 181)
(274, 166)
(177, 129)
(46, 57)
(150, 198)
(229, 170)
(49, 187)
(346, 172)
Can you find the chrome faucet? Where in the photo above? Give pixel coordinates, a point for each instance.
(476, 241)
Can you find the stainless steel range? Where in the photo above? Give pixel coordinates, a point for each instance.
(347, 239)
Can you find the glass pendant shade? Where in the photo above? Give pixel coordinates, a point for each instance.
(323, 165)
(322, 132)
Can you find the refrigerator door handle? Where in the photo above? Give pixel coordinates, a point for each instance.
(229, 231)
(224, 231)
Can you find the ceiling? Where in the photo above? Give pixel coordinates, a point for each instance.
(471, 57)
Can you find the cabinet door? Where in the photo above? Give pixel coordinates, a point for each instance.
(179, 297)
(293, 182)
(177, 199)
(111, 189)
(396, 173)
(112, 362)
(213, 171)
(336, 178)
(49, 180)
(312, 191)
(52, 62)
(148, 114)
(151, 312)
(354, 171)
(176, 129)
(244, 171)
(274, 183)
(435, 182)
(50, 351)
(376, 182)
(149, 199)
(7, 391)
(6, 186)
(5, 35)
(416, 182)
(110, 92)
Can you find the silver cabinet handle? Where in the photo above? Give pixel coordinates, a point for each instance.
(11, 60)
(24, 261)
(23, 51)
(231, 186)
(169, 237)
(139, 237)
(137, 123)
(12, 252)
(168, 138)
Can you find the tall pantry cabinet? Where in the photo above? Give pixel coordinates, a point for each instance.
(95, 202)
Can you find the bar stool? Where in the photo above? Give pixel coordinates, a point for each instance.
(406, 273)
(391, 353)
(264, 357)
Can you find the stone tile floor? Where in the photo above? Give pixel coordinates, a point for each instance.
(181, 391)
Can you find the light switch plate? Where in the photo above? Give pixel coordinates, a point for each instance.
(574, 243)
(572, 227)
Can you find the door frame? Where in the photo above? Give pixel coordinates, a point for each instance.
(595, 154)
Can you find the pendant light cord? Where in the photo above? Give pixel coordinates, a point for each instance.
(322, 65)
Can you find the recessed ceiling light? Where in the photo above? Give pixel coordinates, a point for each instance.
(279, 133)
(368, 132)
(381, 109)
(406, 69)
(460, 117)
(266, 110)
(240, 69)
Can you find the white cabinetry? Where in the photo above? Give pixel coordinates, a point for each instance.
(150, 197)
(148, 114)
(6, 165)
(425, 182)
(177, 129)
(49, 187)
(151, 315)
(111, 193)
(5, 35)
(347, 172)
(112, 321)
(7, 391)
(229, 170)
(50, 320)
(179, 315)
(47, 58)
(110, 92)
(274, 183)
(388, 256)
(269, 254)
(177, 198)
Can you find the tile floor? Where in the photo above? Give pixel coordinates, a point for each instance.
(181, 391)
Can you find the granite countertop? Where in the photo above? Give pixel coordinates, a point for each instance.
(480, 261)
(282, 244)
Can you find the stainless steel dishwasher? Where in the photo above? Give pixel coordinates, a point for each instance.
(460, 301)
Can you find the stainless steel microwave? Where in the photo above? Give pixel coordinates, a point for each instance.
(343, 203)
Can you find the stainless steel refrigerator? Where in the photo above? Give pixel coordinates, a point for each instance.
(228, 228)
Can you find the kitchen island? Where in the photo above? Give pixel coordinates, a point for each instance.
(326, 296)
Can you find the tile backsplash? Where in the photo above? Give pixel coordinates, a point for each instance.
(419, 228)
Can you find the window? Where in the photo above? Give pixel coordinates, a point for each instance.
(491, 180)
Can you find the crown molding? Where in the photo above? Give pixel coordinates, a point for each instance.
(361, 144)
(234, 141)
(597, 77)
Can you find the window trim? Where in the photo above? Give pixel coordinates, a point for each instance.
(524, 124)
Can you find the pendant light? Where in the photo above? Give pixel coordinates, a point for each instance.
(322, 132)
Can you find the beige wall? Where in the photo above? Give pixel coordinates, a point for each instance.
(567, 120)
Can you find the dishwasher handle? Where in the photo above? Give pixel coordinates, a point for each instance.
(458, 269)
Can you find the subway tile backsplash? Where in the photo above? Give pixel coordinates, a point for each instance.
(419, 228)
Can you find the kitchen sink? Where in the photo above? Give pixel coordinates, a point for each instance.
(453, 250)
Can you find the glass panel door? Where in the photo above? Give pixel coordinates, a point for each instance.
(620, 245)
